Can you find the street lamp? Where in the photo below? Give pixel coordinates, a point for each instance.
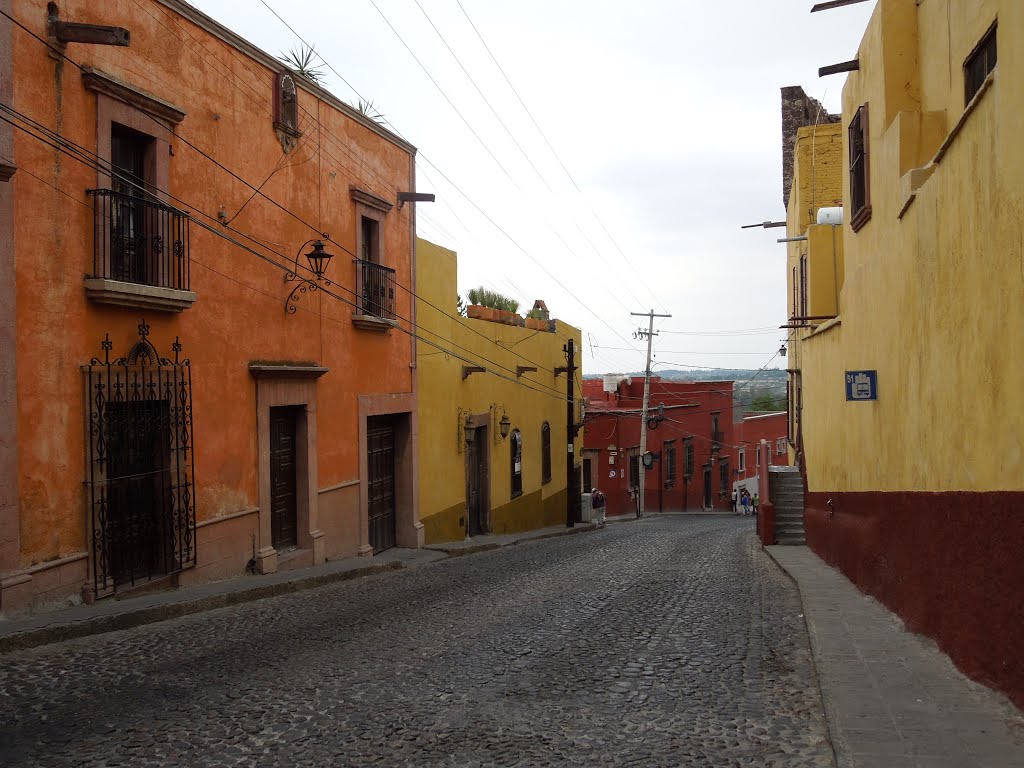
(318, 260)
(505, 424)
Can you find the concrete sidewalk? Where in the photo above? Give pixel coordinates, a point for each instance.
(111, 615)
(891, 697)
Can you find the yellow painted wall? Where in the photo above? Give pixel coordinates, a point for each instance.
(530, 401)
(932, 300)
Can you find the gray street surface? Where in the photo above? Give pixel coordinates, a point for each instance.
(672, 641)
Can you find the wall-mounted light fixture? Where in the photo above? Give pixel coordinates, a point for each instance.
(504, 423)
(470, 430)
(318, 260)
(782, 350)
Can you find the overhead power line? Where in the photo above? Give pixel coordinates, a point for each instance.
(286, 265)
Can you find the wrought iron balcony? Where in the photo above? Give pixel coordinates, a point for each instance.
(140, 240)
(375, 290)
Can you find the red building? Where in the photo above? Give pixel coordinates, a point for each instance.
(689, 428)
(755, 427)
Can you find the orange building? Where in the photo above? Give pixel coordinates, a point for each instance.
(189, 387)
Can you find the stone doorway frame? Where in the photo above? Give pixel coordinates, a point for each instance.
(289, 385)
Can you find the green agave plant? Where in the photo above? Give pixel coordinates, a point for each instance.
(302, 60)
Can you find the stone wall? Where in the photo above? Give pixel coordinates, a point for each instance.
(798, 110)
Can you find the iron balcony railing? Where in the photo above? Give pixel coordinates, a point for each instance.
(140, 240)
(375, 289)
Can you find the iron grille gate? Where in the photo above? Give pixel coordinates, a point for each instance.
(140, 465)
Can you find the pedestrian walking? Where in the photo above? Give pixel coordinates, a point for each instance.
(755, 501)
(733, 502)
(597, 503)
(745, 501)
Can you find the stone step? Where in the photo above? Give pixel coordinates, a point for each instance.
(789, 508)
(790, 541)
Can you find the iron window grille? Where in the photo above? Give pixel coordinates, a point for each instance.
(860, 173)
(140, 462)
(139, 240)
(545, 447)
(688, 459)
(723, 477)
(516, 465)
(978, 65)
(375, 289)
(634, 468)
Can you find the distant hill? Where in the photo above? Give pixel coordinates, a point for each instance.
(767, 387)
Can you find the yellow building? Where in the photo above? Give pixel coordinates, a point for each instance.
(914, 468)
(472, 479)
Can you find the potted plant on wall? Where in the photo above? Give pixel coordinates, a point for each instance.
(491, 305)
(535, 320)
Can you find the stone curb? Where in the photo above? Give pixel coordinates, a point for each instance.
(57, 633)
(836, 753)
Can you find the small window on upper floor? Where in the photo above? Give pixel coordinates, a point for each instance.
(860, 175)
(743, 460)
(981, 61)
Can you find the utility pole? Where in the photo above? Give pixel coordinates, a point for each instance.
(650, 334)
(572, 504)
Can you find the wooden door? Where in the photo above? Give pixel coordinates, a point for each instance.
(138, 530)
(283, 497)
(380, 449)
(477, 485)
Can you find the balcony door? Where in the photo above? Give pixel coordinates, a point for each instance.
(128, 247)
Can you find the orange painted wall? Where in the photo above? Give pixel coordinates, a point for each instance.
(239, 314)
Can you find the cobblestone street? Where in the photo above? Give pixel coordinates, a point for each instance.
(671, 641)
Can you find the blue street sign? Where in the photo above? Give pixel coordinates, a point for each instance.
(862, 385)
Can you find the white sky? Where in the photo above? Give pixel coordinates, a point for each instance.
(665, 112)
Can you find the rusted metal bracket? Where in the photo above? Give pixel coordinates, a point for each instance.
(521, 369)
(468, 370)
(60, 33)
(561, 369)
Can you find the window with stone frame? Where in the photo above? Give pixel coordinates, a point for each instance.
(979, 64)
(860, 173)
(634, 467)
(141, 242)
(743, 459)
(723, 477)
(688, 459)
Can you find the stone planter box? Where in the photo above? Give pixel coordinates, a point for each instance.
(536, 324)
(479, 312)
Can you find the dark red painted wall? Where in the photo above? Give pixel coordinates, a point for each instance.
(951, 565)
(614, 419)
